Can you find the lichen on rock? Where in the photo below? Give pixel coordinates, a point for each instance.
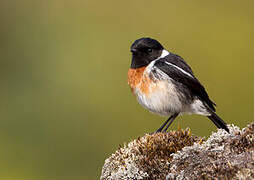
(180, 155)
(146, 157)
(223, 156)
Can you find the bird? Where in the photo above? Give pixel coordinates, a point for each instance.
(164, 84)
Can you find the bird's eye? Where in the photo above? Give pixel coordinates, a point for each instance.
(149, 50)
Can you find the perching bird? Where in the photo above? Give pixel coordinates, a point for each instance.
(165, 84)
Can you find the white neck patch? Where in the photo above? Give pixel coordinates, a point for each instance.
(164, 53)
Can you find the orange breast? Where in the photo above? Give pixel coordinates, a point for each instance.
(136, 78)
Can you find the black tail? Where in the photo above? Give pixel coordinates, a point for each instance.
(218, 121)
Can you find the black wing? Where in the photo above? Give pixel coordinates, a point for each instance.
(179, 62)
(177, 69)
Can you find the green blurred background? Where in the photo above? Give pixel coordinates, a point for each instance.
(65, 103)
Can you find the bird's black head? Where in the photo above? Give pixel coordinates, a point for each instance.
(144, 51)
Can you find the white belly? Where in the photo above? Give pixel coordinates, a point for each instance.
(161, 98)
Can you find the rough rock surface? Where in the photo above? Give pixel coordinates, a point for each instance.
(179, 155)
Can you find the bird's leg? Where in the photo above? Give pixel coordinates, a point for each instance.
(163, 125)
(172, 119)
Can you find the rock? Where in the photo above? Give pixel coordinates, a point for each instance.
(180, 155)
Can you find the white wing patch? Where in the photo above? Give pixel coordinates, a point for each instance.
(180, 69)
(164, 53)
